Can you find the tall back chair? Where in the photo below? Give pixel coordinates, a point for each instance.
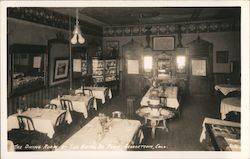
(25, 123)
(66, 104)
(50, 106)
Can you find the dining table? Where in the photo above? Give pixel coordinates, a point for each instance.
(98, 92)
(79, 103)
(223, 135)
(152, 97)
(229, 104)
(227, 88)
(120, 136)
(44, 119)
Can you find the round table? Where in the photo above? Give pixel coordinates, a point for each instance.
(155, 115)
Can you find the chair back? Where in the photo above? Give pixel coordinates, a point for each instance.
(50, 106)
(118, 114)
(25, 123)
(66, 104)
(234, 94)
(60, 119)
(106, 94)
(88, 92)
(90, 103)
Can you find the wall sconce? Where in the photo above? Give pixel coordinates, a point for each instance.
(77, 34)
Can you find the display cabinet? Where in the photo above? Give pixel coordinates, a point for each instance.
(110, 70)
(98, 70)
(27, 68)
(105, 73)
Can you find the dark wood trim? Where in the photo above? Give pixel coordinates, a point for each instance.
(45, 16)
(212, 137)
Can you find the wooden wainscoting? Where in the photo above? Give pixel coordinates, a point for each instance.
(39, 98)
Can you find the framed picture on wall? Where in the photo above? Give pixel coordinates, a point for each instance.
(163, 43)
(112, 48)
(222, 56)
(61, 69)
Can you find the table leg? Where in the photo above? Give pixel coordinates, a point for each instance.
(154, 125)
(153, 132)
(165, 125)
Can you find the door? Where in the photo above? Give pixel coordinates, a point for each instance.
(200, 68)
(132, 75)
(199, 82)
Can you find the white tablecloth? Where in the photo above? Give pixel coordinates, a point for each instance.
(44, 120)
(79, 103)
(171, 93)
(119, 137)
(215, 121)
(229, 104)
(98, 92)
(227, 88)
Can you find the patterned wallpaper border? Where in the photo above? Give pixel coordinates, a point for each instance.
(172, 28)
(51, 18)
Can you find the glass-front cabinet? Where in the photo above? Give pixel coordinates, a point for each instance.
(27, 67)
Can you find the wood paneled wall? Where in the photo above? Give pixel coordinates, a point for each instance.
(39, 98)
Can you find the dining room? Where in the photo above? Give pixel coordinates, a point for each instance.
(124, 79)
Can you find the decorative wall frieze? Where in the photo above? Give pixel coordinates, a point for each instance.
(51, 18)
(172, 28)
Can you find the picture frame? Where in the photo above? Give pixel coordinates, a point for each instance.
(112, 48)
(163, 43)
(61, 69)
(222, 56)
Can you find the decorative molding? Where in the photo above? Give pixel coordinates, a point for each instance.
(51, 18)
(172, 28)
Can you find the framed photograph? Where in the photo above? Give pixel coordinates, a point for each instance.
(112, 48)
(222, 56)
(61, 69)
(163, 43)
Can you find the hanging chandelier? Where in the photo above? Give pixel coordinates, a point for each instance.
(77, 34)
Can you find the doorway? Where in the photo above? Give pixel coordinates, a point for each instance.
(200, 68)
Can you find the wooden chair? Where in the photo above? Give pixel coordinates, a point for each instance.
(50, 106)
(27, 132)
(118, 114)
(66, 104)
(106, 95)
(26, 123)
(88, 92)
(60, 124)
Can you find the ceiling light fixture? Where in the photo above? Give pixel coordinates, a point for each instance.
(77, 34)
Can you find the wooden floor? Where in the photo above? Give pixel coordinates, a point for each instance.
(184, 132)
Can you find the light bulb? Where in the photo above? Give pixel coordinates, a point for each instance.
(74, 39)
(81, 40)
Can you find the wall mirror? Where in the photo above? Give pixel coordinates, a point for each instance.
(59, 64)
(27, 67)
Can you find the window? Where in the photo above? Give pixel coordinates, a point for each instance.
(199, 67)
(148, 63)
(181, 62)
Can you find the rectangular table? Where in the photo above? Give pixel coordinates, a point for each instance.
(153, 98)
(229, 104)
(224, 135)
(79, 103)
(44, 119)
(227, 88)
(121, 134)
(98, 92)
